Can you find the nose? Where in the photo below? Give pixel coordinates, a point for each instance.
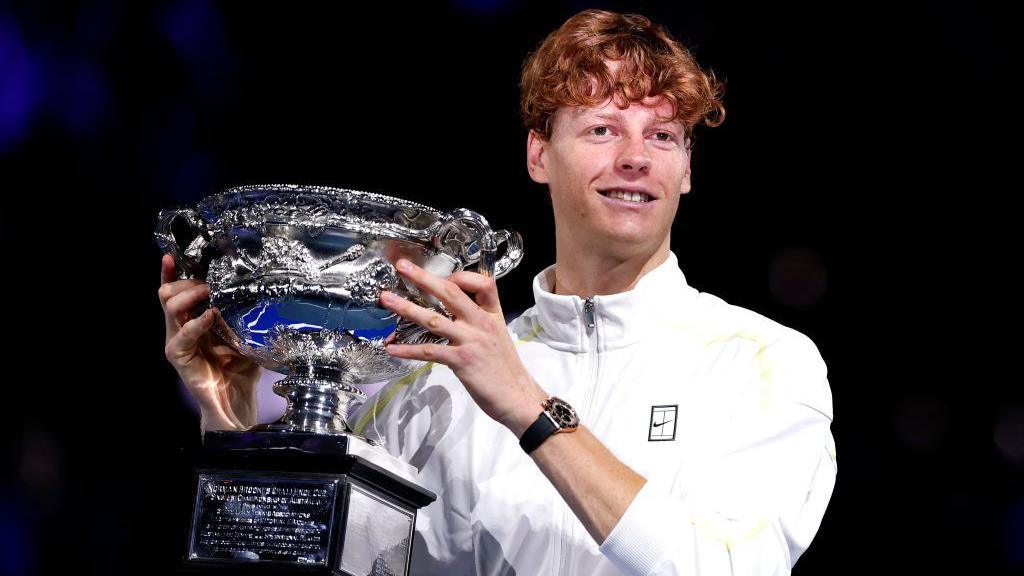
(633, 157)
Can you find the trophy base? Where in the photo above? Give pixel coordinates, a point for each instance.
(300, 503)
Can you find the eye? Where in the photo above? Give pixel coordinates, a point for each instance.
(600, 131)
(665, 136)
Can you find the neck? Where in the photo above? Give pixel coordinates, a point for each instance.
(593, 273)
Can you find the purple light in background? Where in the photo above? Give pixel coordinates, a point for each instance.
(482, 7)
(186, 25)
(97, 21)
(16, 547)
(19, 85)
(1015, 535)
(84, 97)
(271, 406)
(195, 30)
(194, 176)
(167, 134)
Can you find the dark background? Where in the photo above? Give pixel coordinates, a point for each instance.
(853, 193)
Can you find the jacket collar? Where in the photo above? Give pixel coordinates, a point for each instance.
(619, 319)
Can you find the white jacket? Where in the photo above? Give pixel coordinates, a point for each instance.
(724, 412)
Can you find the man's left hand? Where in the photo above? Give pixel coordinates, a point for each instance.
(480, 351)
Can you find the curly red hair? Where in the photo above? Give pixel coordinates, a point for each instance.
(570, 68)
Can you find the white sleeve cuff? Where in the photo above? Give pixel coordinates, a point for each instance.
(640, 541)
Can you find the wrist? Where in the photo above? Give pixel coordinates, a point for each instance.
(557, 416)
(212, 421)
(529, 405)
(523, 418)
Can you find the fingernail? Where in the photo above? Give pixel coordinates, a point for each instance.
(404, 265)
(387, 297)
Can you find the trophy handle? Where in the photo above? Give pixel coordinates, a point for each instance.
(469, 235)
(188, 262)
(510, 259)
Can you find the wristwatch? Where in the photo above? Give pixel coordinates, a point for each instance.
(557, 416)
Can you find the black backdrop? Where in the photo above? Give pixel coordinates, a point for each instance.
(852, 194)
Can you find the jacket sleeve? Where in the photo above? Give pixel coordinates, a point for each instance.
(756, 502)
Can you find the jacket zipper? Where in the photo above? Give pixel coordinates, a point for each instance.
(589, 306)
(589, 314)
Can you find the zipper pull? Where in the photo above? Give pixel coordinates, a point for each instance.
(588, 311)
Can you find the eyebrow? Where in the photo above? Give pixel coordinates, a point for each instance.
(608, 115)
(618, 118)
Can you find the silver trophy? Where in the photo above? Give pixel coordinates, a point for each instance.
(296, 273)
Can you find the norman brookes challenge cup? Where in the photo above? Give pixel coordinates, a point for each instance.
(296, 273)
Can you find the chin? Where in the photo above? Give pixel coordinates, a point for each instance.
(624, 246)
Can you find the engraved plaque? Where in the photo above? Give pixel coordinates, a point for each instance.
(300, 503)
(377, 536)
(251, 518)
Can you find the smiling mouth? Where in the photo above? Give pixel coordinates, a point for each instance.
(627, 196)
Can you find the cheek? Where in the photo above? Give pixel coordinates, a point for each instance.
(674, 175)
(673, 205)
(669, 214)
(566, 201)
(569, 182)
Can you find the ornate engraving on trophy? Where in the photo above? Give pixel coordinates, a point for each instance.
(297, 271)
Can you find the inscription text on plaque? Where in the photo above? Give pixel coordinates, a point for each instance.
(246, 517)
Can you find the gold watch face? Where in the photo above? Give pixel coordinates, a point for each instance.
(562, 413)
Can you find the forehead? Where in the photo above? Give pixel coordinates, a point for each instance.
(650, 109)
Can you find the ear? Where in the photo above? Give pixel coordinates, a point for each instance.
(684, 188)
(536, 148)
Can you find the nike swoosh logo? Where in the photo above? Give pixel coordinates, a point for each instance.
(660, 424)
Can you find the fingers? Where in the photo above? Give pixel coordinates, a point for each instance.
(181, 346)
(453, 298)
(433, 321)
(171, 289)
(177, 307)
(169, 284)
(426, 352)
(483, 288)
(167, 269)
(186, 299)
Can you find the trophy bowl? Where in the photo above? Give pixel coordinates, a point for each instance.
(296, 273)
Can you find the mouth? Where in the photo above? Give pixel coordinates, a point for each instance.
(635, 196)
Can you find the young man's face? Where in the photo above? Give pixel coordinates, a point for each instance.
(615, 175)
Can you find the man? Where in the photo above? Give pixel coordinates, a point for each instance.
(703, 443)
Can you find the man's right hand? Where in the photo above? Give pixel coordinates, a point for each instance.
(222, 381)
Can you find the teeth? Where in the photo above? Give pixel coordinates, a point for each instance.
(627, 196)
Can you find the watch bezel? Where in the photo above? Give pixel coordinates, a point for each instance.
(561, 413)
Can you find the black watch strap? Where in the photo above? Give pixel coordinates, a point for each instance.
(538, 432)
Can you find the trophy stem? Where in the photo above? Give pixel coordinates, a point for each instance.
(316, 404)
